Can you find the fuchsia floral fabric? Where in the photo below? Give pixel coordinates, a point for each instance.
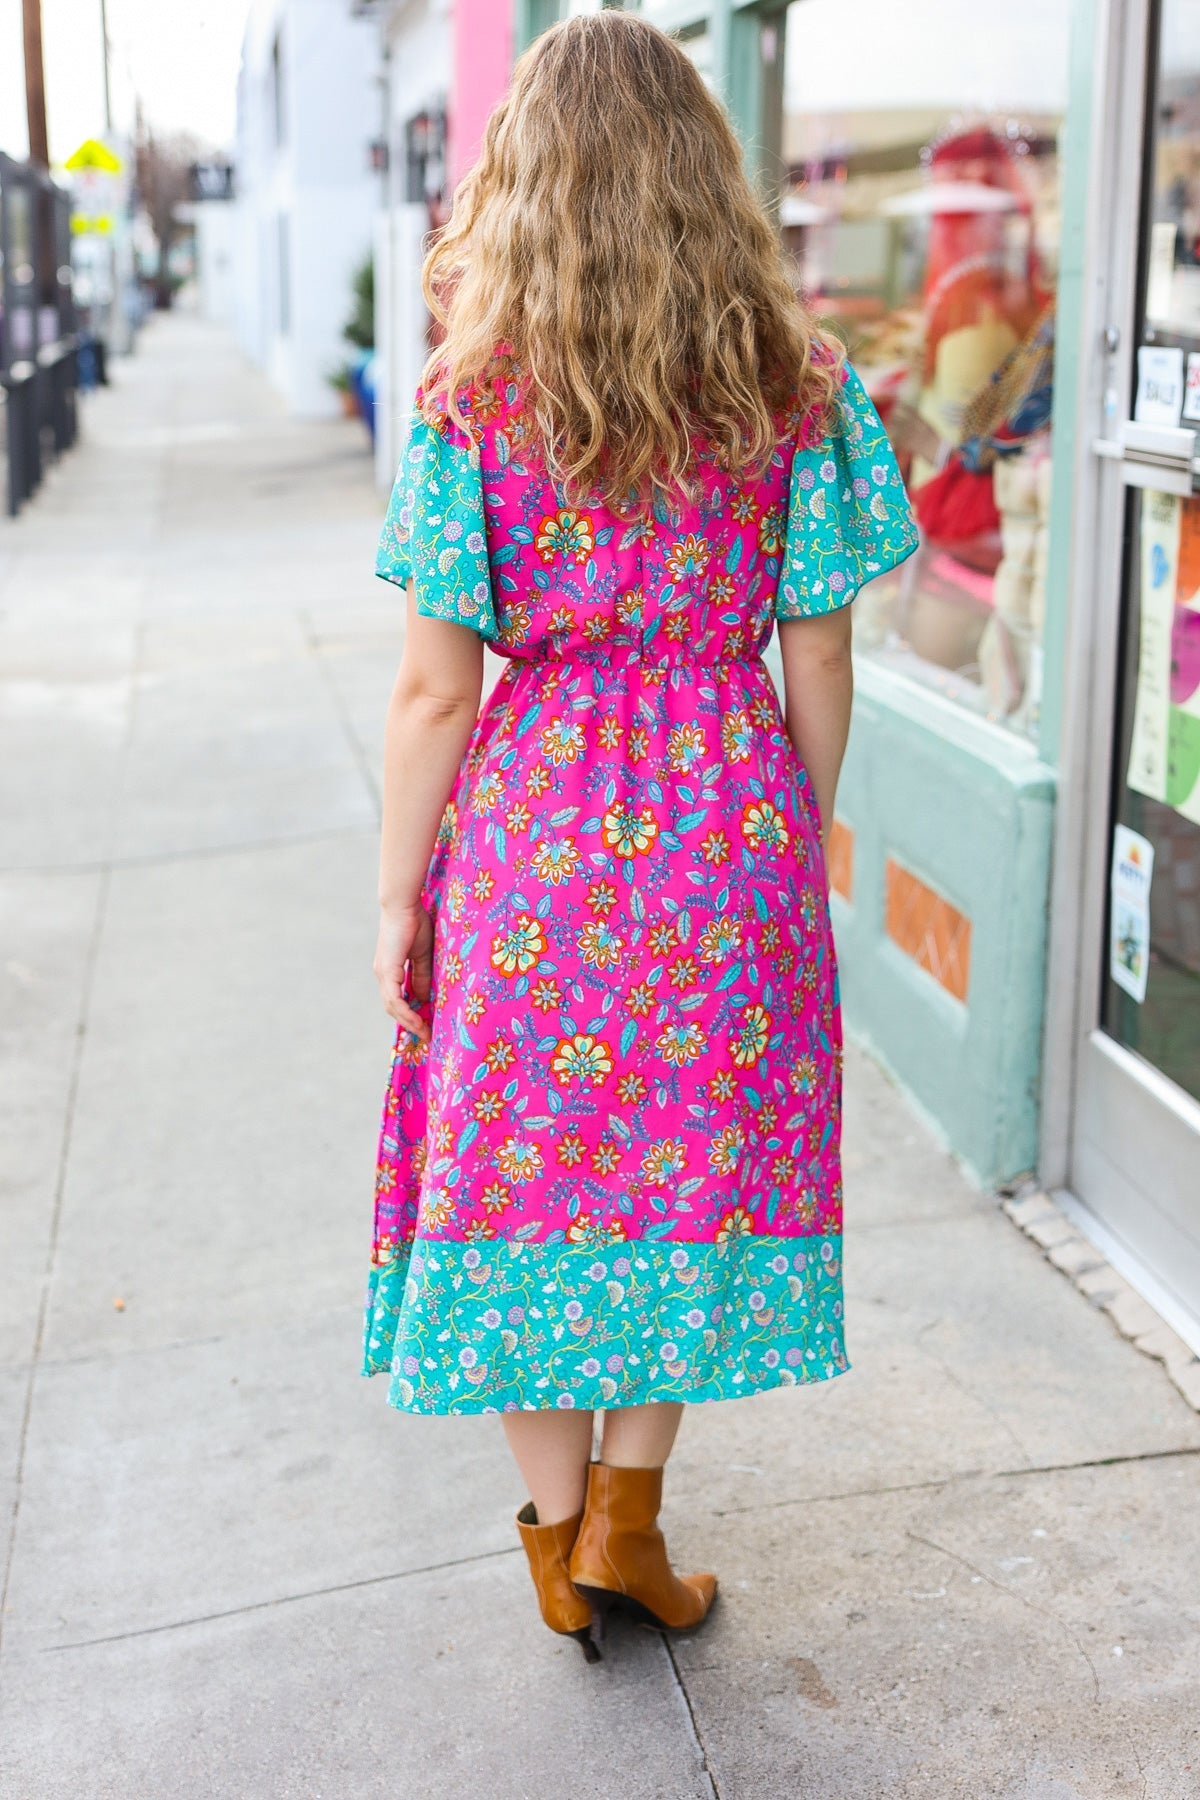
(614, 1175)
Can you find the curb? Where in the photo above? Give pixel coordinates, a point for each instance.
(1066, 1247)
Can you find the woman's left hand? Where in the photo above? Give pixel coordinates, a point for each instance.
(405, 940)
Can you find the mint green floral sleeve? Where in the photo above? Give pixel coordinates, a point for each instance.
(849, 516)
(435, 533)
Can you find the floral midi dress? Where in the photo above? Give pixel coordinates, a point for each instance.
(613, 1175)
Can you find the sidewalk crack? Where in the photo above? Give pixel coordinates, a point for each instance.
(941, 1481)
(236, 1612)
(342, 711)
(957, 1381)
(154, 859)
(714, 1786)
(60, 1182)
(1033, 1605)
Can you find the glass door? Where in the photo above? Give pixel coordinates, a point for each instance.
(1155, 1011)
(1136, 1160)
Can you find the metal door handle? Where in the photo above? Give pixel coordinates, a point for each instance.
(1164, 457)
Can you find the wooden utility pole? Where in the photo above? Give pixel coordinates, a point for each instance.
(35, 82)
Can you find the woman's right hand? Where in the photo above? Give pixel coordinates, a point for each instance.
(405, 941)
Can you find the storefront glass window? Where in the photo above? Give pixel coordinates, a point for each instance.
(1152, 954)
(921, 208)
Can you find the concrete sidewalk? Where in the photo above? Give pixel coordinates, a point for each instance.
(969, 1568)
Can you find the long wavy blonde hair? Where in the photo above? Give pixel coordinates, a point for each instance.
(609, 245)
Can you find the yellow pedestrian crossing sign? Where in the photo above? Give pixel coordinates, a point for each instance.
(92, 154)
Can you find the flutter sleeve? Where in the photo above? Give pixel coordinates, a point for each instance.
(435, 531)
(849, 515)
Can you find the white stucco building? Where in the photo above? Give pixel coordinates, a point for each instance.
(215, 225)
(309, 106)
(416, 55)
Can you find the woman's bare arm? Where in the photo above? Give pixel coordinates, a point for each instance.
(432, 712)
(818, 688)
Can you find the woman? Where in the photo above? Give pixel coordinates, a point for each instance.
(609, 1172)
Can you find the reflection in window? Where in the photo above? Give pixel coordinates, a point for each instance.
(922, 211)
(278, 113)
(1173, 276)
(284, 288)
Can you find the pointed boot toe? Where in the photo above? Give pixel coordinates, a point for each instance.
(620, 1558)
(704, 1586)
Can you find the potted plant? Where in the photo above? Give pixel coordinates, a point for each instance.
(359, 333)
(342, 382)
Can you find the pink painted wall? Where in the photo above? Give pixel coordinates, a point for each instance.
(483, 56)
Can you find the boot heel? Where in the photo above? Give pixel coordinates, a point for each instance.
(602, 1601)
(587, 1643)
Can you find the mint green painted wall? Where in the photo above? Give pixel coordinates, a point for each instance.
(530, 19)
(971, 814)
(969, 810)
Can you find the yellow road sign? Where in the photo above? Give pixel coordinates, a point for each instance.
(92, 154)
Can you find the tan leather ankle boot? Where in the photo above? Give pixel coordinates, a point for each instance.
(620, 1558)
(548, 1547)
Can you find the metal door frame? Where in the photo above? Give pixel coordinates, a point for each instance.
(1077, 1052)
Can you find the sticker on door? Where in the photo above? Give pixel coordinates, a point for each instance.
(1129, 941)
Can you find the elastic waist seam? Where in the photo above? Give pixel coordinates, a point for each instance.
(600, 658)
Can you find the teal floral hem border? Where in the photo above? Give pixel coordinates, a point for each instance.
(503, 1327)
